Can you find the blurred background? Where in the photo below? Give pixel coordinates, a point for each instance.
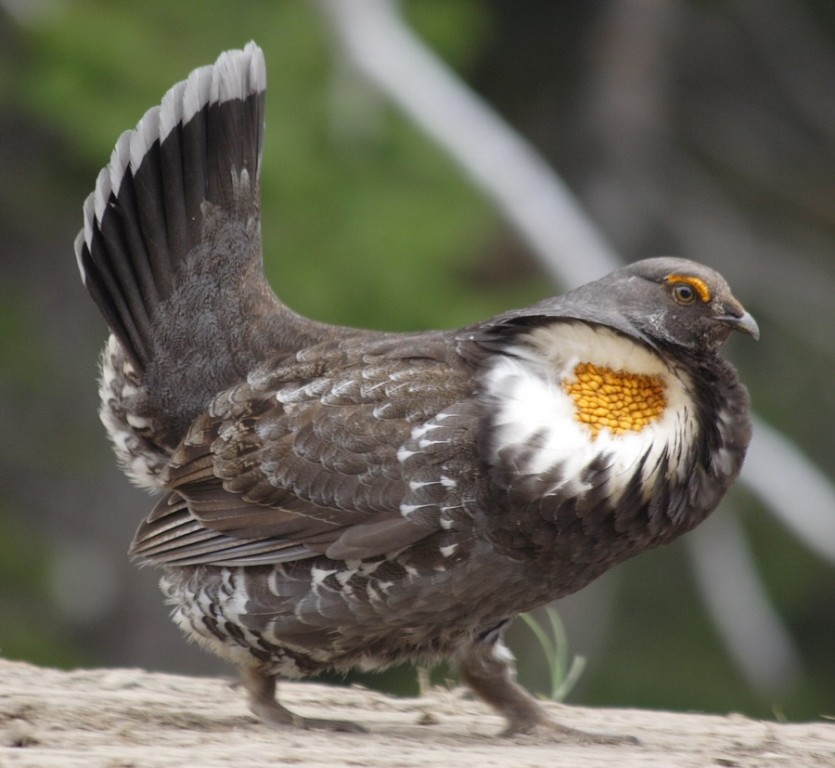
(702, 129)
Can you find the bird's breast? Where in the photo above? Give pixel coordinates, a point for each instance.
(572, 397)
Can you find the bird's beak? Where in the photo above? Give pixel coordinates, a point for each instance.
(738, 319)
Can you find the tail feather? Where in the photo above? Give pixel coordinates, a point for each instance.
(201, 145)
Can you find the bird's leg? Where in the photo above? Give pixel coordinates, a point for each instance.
(489, 670)
(261, 690)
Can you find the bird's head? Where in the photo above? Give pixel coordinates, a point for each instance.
(666, 303)
(672, 302)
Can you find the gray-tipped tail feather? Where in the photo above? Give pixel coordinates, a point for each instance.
(201, 145)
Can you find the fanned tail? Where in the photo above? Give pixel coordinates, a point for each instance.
(202, 144)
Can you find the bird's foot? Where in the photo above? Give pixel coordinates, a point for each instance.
(275, 715)
(544, 726)
(488, 669)
(263, 704)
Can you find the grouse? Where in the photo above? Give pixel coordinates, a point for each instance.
(336, 498)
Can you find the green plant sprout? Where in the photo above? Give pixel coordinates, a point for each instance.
(564, 673)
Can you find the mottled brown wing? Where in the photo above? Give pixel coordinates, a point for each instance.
(352, 454)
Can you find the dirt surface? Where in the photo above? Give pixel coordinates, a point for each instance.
(120, 718)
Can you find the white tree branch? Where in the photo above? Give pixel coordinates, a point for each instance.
(501, 164)
(793, 488)
(739, 606)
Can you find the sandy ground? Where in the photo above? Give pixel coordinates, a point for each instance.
(130, 718)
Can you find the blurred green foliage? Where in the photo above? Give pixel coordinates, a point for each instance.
(24, 607)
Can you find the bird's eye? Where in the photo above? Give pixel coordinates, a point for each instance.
(684, 293)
